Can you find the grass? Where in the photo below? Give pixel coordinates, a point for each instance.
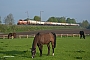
(67, 48)
(23, 28)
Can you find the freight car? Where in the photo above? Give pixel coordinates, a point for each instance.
(32, 22)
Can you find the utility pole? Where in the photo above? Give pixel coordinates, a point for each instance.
(41, 15)
(27, 14)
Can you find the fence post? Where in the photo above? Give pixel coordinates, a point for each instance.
(12, 37)
(20, 36)
(67, 35)
(3, 37)
(27, 36)
(79, 35)
(34, 35)
(73, 35)
(61, 35)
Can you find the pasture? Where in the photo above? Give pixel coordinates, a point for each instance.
(67, 48)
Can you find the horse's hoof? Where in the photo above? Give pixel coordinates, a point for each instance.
(53, 54)
(32, 57)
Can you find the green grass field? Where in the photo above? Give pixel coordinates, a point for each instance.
(67, 48)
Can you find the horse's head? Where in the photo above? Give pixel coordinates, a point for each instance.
(33, 52)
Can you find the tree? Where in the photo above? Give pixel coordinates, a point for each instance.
(73, 21)
(37, 18)
(88, 27)
(70, 20)
(52, 19)
(85, 24)
(9, 20)
(62, 20)
(58, 19)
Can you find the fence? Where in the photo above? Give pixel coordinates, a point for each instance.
(3, 36)
(67, 35)
(25, 36)
(28, 36)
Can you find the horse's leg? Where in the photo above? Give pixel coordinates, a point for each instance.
(41, 46)
(84, 36)
(52, 48)
(53, 51)
(40, 49)
(48, 45)
(80, 36)
(8, 36)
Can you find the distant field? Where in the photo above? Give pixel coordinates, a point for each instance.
(24, 28)
(67, 48)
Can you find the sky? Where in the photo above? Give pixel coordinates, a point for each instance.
(77, 9)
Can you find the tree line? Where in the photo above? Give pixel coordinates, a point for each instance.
(9, 20)
(57, 19)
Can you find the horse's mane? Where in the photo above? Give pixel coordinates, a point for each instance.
(34, 41)
(54, 39)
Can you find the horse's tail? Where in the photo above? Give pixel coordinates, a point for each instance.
(54, 39)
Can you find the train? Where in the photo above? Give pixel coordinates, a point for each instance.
(33, 22)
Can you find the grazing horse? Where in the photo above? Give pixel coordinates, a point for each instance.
(82, 34)
(11, 34)
(43, 38)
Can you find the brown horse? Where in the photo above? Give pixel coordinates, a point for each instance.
(12, 34)
(43, 38)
